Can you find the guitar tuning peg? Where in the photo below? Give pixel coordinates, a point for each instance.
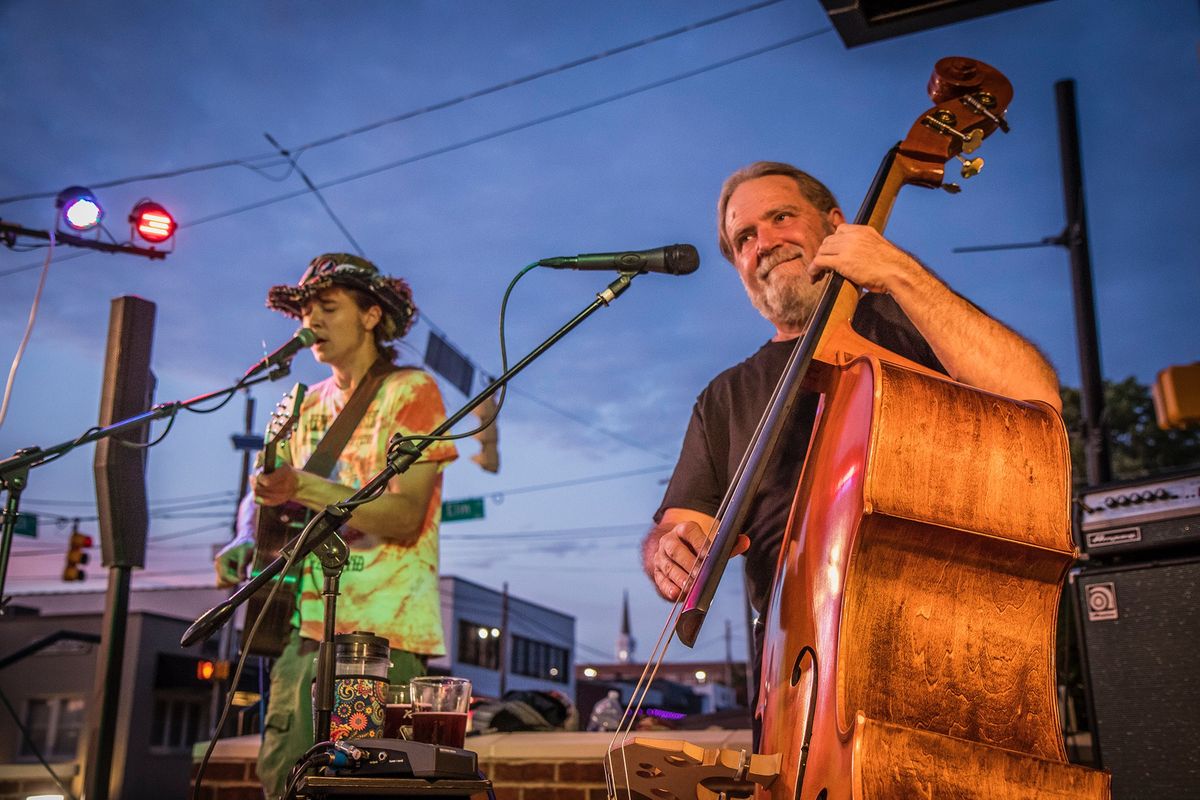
(970, 168)
(951, 188)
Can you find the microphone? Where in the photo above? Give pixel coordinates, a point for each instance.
(675, 259)
(303, 338)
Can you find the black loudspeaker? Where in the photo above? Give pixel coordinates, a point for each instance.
(1140, 639)
(120, 469)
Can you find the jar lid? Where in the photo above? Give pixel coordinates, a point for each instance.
(361, 644)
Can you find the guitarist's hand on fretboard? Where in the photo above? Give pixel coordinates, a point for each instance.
(277, 486)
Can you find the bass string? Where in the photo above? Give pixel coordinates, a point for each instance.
(625, 728)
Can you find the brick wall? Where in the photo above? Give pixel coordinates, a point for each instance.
(521, 766)
(232, 779)
(551, 780)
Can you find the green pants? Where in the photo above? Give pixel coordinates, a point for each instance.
(288, 731)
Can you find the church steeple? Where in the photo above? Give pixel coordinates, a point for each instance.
(625, 641)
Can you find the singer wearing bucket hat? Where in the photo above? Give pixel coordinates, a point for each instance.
(389, 585)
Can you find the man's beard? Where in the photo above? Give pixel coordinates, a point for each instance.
(785, 300)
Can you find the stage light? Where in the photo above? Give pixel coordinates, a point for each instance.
(205, 670)
(79, 208)
(152, 222)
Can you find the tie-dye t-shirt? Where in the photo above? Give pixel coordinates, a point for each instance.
(386, 587)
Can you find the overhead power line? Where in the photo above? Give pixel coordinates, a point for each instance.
(512, 128)
(611, 476)
(274, 159)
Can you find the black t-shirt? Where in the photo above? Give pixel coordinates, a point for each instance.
(725, 417)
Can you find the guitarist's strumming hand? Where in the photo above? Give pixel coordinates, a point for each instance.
(232, 561)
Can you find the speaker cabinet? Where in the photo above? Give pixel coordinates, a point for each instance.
(120, 469)
(1140, 640)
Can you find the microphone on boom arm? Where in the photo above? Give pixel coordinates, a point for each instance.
(303, 338)
(675, 259)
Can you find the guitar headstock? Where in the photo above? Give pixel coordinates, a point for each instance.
(283, 421)
(972, 99)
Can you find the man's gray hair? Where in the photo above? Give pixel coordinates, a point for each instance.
(811, 189)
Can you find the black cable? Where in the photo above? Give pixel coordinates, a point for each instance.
(515, 128)
(567, 533)
(320, 197)
(491, 794)
(241, 664)
(536, 75)
(467, 143)
(226, 494)
(161, 436)
(400, 445)
(248, 161)
(38, 264)
(235, 162)
(610, 476)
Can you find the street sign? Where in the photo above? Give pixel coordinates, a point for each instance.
(26, 525)
(458, 510)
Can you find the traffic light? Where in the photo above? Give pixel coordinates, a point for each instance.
(1176, 395)
(212, 670)
(76, 556)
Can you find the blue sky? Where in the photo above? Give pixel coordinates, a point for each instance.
(96, 93)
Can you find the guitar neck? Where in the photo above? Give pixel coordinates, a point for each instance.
(268, 458)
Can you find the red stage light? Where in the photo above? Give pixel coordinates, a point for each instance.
(152, 222)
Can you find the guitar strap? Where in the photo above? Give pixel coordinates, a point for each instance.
(325, 457)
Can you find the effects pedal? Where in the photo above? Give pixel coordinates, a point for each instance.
(398, 758)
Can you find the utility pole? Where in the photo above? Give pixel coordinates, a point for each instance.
(504, 637)
(1074, 237)
(729, 654)
(225, 642)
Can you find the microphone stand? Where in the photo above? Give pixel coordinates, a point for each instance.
(14, 470)
(321, 531)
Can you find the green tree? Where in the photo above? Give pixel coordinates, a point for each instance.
(1137, 446)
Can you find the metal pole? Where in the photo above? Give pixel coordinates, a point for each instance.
(98, 769)
(729, 654)
(1075, 239)
(504, 640)
(225, 642)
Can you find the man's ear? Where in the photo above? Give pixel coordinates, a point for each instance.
(836, 217)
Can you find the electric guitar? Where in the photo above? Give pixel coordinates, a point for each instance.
(274, 526)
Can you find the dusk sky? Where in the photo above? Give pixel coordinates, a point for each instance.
(622, 152)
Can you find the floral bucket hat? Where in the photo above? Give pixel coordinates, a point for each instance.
(343, 269)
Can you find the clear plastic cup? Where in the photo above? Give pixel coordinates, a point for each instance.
(439, 710)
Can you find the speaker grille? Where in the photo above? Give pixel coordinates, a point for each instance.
(1141, 636)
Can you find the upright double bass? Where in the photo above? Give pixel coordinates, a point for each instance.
(909, 644)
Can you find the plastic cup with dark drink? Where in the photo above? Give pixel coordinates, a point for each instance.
(397, 714)
(439, 710)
